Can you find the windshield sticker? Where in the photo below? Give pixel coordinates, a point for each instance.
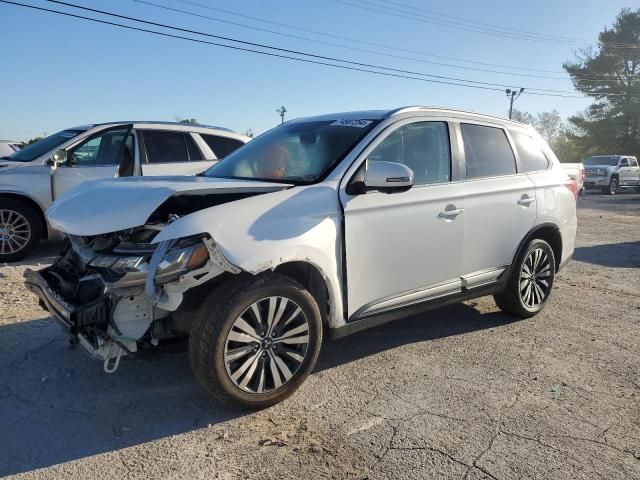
(68, 134)
(353, 123)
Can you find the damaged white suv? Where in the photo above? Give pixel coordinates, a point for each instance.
(327, 224)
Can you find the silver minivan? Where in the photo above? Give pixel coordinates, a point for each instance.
(323, 225)
(32, 178)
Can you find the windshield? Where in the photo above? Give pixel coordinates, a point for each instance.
(300, 152)
(610, 161)
(41, 147)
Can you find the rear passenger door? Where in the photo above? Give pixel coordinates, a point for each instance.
(170, 152)
(500, 203)
(634, 171)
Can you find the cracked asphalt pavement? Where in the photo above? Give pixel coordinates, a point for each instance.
(462, 392)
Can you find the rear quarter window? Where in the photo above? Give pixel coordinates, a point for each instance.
(221, 146)
(487, 151)
(532, 158)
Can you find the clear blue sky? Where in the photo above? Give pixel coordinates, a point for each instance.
(60, 72)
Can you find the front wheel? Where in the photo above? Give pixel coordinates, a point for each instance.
(255, 340)
(530, 282)
(613, 186)
(20, 230)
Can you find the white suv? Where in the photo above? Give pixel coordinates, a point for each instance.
(31, 178)
(326, 224)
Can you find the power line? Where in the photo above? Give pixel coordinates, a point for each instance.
(363, 50)
(493, 30)
(551, 36)
(374, 44)
(271, 54)
(297, 52)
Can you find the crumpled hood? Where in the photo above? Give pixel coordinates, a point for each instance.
(111, 205)
(8, 165)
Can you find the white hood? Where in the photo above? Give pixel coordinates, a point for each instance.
(110, 205)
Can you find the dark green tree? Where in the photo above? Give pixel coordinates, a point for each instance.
(610, 73)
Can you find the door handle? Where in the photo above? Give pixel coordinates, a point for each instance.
(526, 201)
(450, 213)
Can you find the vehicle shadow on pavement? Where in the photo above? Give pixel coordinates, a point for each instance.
(453, 320)
(618, 255)
(59, 406)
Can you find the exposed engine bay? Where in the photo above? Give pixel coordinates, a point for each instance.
(118, 292)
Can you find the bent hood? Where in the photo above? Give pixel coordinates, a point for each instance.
(111, 205)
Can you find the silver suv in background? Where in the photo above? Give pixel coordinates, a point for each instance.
(612, 173)
(32, 178)
(326, 224)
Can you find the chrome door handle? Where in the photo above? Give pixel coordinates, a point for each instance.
(526, 201)
(450, 213)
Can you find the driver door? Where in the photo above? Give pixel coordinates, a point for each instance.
(98, 156)
(404, 248)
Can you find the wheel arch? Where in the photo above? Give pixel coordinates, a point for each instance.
(313, 279)
(31, 203)
(550, 233)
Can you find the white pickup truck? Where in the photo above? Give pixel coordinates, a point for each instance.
(612, 173)
(576, 172)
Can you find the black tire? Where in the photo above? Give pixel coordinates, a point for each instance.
(215, 320)
(35, 229)
(614, 186)
(511, 300)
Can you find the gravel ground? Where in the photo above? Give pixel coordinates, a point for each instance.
(463, 392)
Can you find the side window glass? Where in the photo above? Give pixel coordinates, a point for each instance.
(165, 147)
(423, 147)
(633, 162)
(531, 156)
(104, 149)
(487, 151)
(624, 162)
(194, 152)
(221, 146)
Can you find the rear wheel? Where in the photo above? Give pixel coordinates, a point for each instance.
(530, 282)
(255, 340)
(20, 229)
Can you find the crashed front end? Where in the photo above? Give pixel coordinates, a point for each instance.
(118, 293)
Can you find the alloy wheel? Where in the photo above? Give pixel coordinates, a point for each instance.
(613, 186)
(15, 231)
(535, 277)
(266, 345)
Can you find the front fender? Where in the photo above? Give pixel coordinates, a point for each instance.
(262, 232)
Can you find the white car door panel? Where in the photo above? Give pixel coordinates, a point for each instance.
(500, 212)
(96, 157)
(500, 203)
(390, 238)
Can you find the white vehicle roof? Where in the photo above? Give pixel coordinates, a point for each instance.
(424, 110)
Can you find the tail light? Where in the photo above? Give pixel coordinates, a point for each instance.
(572, 185)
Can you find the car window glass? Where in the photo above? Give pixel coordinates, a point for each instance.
(633, 162)
(221, 146)
(531, 157)
(487, 151)
(423, 147)
(194, 152)
(165, 147)
(624, 162)
(104, 149)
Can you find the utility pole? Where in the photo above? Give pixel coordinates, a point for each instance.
(513, 95)
(282, 110)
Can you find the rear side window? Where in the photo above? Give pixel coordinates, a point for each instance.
(165, 147)
(531, 157)
(221, 146)
(487, 151)
(633, 162)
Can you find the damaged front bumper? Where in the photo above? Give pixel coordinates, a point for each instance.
(123, 312)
